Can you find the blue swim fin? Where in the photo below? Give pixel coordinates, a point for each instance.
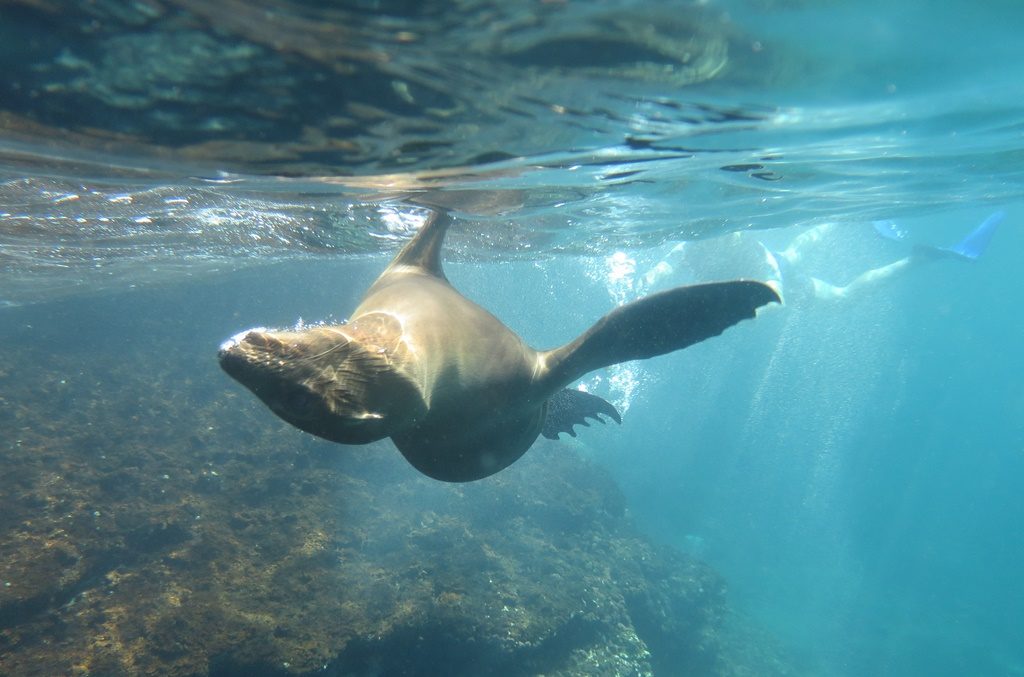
(890, 230)
(976, 242)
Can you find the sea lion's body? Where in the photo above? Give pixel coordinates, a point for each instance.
(472, 371)
(460, 394)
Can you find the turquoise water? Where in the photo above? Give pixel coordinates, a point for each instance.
(850, 464)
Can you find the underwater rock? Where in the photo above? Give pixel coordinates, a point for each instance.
(144, 532)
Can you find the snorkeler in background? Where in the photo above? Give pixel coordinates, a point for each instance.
(742, 255)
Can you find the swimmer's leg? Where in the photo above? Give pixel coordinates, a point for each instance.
(968, 249)
(829, 292)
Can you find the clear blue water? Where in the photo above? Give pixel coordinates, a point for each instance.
(852, 466)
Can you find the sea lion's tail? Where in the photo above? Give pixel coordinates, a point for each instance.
(655, 325)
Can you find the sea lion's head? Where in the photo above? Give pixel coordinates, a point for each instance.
(323, 380)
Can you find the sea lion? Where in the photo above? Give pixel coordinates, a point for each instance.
(459, 393)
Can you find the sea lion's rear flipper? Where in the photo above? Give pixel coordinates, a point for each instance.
(657, 324)
(570, 407)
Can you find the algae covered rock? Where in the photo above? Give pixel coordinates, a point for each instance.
(155, 522)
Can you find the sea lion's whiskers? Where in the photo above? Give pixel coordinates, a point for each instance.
(340, 344)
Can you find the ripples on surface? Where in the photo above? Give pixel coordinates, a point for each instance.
(177, 137)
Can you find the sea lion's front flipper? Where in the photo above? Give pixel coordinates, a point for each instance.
(570, 407)
(657, 324)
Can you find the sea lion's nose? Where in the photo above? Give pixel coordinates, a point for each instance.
(231, 360)
(254, 337)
